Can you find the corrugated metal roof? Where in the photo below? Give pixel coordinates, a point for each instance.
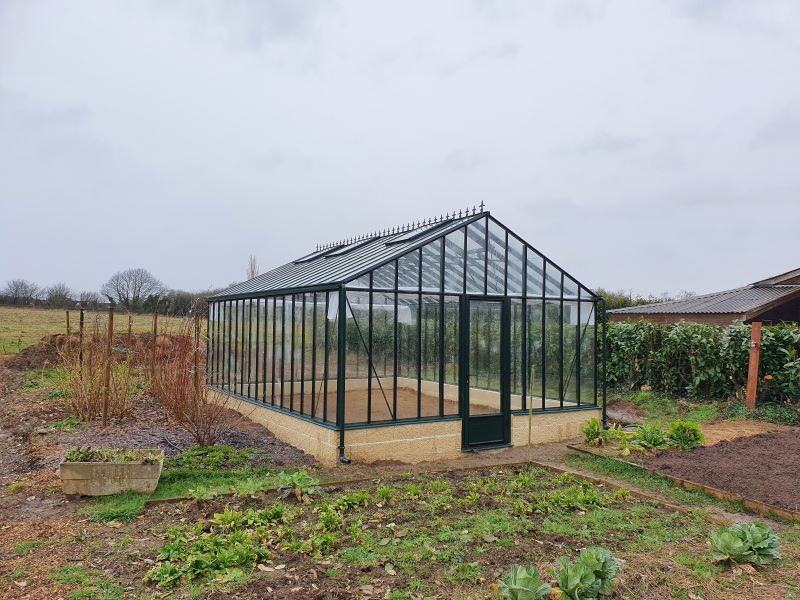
(739, 301)
(321, 270)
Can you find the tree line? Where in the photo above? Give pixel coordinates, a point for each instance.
(132, 290)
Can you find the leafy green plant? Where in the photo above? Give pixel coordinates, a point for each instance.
(685, 434)
(651, 437)
(300, 483)
(88, 454)
(753, 543)
(523, 583)
(592, 575)
(69, 424)
(385, 493)
(214, 457)
(593, 432)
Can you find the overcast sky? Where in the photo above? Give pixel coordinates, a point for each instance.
(639, 144)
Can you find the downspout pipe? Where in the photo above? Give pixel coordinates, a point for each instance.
(341, 365)
(605, 352)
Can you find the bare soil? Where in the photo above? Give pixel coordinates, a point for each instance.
(731, 430)
(761, 467)
(624, 412)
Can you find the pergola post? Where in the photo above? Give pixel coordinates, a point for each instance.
(752, 371)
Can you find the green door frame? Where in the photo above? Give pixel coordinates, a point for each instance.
(489, 430)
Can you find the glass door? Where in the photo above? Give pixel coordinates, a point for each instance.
(485, 373)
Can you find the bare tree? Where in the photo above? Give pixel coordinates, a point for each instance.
(89, 299)
(130, 288)
(21, 291)
(59, 295)
(252, 267)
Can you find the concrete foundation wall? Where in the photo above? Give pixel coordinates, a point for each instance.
(410, 443)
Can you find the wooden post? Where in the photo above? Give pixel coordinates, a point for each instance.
(80, 339)
(153, 350)
(68, 331)
(752, 371)
(107, 375)
(130, 330)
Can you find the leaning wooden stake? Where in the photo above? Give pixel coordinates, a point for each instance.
(752, 371)
(530, 420)
(107, 375)
(197, 355)
(80, 340)
(130, 331)
(68, 331)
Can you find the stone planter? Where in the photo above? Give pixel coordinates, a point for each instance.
(107, 478)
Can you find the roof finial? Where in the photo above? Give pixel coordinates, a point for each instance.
(459, 213)
(481, 205)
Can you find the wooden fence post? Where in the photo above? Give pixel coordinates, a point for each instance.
(752, 371)
(130, 331)
(68, 331)
(107, 375)
(153, 350)
(197, 355)
(80, 339)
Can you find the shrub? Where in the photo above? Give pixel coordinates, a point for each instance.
(753, 543)
(179, 383)
(685, 434)
(651, 437)
(592, 575)
(523, 583)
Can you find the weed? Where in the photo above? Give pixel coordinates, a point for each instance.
(17, 487)
(69, 424)
(93, 584)
(25, 548)
(384, 492)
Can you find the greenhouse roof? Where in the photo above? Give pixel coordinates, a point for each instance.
(341, 262)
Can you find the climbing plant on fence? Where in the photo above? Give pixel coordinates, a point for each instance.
(702, 361)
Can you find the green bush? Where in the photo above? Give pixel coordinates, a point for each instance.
(593, 432)
(523, 583)
(685, 434)
(702, 361)
(753, 543)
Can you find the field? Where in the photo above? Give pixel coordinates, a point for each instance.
(22, 327)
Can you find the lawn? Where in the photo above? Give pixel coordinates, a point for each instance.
(23, 327)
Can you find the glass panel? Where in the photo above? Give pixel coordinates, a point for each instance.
(383, 278)
(516, 272)
(285, 341)
(454, 262)
(250, 325)
(552, 280)
(383, 356)
(476, 257)
(361, 282)
(570, 352)
(307, 384)
(535, 266)
(429, 325)
(484, 357)
(552, 352)
(407, 354)
(432, 266)
(332, 352)
(269, 341)
(588, 358)
(356, 393)
(496, 260)
(517, 317)
(318, 358)
(408, 272)
(452, 313)
(533, 393)
(570, 287)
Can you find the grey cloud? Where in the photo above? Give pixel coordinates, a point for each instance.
(782, 131)
(601, 142)
(461, 161)
(494, 52)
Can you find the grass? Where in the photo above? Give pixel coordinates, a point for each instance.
(616, 469)
(69, 424)
(657, 407)
(22, 327)
(208, 473)
(17, 487)
(25, 548)
(90, 583)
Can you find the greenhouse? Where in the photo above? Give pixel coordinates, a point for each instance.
(419, 342)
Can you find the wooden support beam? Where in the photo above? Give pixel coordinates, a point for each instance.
(752, 371)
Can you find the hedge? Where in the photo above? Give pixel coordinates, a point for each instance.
(703, 361)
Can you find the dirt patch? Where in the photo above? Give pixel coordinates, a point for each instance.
(624, 412)
(759, 467)
(731, 430)
(39, 356)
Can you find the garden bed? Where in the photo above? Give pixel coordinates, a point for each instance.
(761, 467)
